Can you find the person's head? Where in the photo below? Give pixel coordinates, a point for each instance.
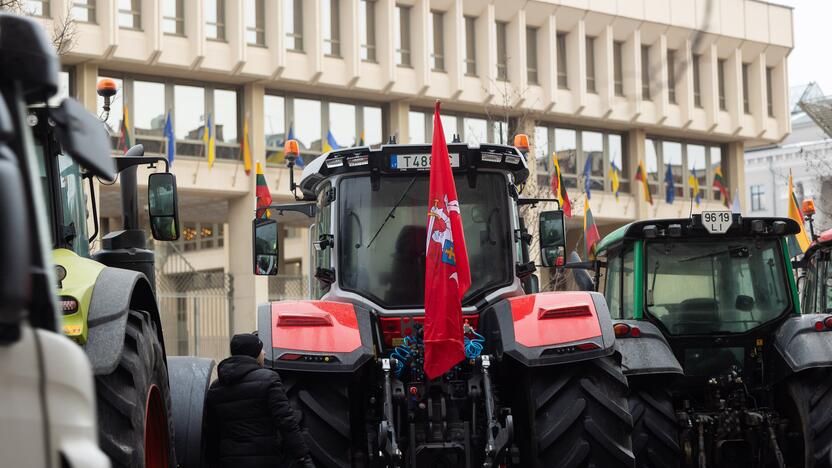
(248, 344)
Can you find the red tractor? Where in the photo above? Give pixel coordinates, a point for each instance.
(541, 384)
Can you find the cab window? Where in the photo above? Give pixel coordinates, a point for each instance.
(322, 226)
(618, 284)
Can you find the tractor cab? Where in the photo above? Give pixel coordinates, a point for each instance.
(815, 267)
(707, 318)
(370, 223)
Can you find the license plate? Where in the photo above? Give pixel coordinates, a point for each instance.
(717, 222)
(416, 161)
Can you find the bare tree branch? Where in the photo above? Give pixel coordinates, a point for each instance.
(64, 32)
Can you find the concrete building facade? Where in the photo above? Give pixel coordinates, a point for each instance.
(684, 86)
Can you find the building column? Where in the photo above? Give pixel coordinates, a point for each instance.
(636, 141)
(734, 166)
(86, 79)
(398, 122)
(249, 290)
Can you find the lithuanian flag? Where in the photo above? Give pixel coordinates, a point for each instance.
(559, 190)
(799, 242)
(641, 174)
(719, 184)
(125, 141)
(264, 197)
(591, 235)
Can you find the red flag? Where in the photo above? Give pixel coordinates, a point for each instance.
(447, 275)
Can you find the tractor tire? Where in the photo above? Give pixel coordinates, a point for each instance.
(322, 406)
(811, 393)
(135, 427)
(655, 430)
(578, 416)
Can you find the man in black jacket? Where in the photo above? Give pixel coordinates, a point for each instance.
(250, 423)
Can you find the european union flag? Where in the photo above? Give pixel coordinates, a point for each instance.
(171, 139)
(671, 187)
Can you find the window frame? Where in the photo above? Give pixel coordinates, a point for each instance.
(645, 73)
(757, 195)
(770, 91)
(90, 7)
(684, 187)
(531, 56)
(259, 27)
(502, 50)
(746, 102)
(470, 59)
(178, 19)
(671, 76)
(563, 71)
(589, 54)
(135, 13)
(295, 36)
(45, 8)
(334, 39)
(402, 24)
(437, 36)
(618, 68)
(219, 24)
(368, 47)
(720, 79)
(697, 81)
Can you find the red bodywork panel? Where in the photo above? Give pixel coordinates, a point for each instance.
(554, 318)
(319, 326)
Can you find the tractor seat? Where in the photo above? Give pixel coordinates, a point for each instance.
(698, 315)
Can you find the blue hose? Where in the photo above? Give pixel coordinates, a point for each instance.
(474, 346)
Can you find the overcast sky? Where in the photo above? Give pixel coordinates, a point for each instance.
(811, 59)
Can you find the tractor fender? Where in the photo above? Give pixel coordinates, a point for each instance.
(189, 378)
(647, 354)
(316, 336)
(801, 345)
(549, 328)
(116, 291)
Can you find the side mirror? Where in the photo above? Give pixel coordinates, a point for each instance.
(163, 206)
(552, 235)
(265, 252)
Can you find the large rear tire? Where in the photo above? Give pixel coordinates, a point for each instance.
(655, 430)
(135, 428)
(322, 405)
(811, 393)
(578, 416)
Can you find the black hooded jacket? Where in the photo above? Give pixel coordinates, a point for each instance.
(250, 423)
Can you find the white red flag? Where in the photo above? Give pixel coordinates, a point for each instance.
(447, 275)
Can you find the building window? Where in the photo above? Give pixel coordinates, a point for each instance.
(746, 106)
(225, 115)
(306, 119)
(173, 19)
(590, 64)
(757, 198)
(35, 7)
(130, 14)
(416, 127)
(592, 144)
(215, 19)
(617, 71)
(342, 124)
(671, 76)
(274, 127)
(698, 167)
(672, 159)
(330, 16)
(148, 116)
(562, 76)
(541, 156)
(502, 51)
(255, 22)
(190, 119)
(715, 162)
(531, 55)
(652, 148)
(438, 35)
(645, 72)
(371, 133)
(769, 87)
(403, 36)
(470, 46)
(84, 11)
(293, 23)
(720, 77)
(697, 82)
(566, 150)
(367, 29)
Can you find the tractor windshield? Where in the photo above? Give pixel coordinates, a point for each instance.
(708, 287)
(384, 257)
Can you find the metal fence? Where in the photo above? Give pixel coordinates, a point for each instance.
(287, 287)
(196, 306)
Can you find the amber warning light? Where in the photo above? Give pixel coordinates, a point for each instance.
(808, 207)
(521, 141)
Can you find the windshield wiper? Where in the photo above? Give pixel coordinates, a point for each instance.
(392, 210)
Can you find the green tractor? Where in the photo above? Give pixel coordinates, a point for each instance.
(723, 369)
(107, 298)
